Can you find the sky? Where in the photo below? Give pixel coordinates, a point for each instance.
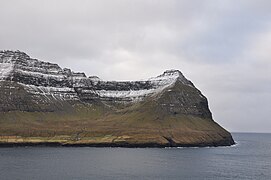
(222, 46)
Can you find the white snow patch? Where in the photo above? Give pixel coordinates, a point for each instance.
(125, 94)
(63, 93)
(31, 73)
(159, 84)
(5, 69)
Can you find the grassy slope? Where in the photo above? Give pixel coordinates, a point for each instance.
(138, 124)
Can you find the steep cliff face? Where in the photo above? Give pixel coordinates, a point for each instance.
(34, 85)
(29, 88)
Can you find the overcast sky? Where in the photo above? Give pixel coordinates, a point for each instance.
(222, 46)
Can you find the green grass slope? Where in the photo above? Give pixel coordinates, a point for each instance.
(145, 124)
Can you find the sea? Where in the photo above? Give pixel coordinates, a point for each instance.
(250, 158)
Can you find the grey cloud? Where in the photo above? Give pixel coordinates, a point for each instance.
(222, 46)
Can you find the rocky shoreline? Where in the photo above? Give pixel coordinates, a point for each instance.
(170, 143)
(113, 145)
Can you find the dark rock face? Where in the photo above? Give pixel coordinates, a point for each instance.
(186, 100)
(16, 97)
(30, 71)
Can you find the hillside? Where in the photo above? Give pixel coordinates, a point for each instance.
(43, 104)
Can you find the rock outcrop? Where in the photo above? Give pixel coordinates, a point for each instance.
(34, 91)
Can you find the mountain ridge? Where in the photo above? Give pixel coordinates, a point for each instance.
(38, 95)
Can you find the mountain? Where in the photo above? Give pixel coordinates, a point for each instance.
(41, 103)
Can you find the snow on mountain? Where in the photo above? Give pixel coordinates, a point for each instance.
(5, 70)
(48, 79)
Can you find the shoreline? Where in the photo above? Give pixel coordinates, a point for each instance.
(113, 145)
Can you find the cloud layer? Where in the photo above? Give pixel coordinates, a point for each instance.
(222, 46)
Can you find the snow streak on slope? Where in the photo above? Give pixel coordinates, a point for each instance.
(5, 70)
(158, 84)
(6, 66)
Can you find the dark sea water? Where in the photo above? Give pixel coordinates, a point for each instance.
(249, 159)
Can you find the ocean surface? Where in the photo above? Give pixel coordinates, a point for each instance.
(249, 159)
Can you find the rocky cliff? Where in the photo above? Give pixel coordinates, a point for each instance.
(41, 101)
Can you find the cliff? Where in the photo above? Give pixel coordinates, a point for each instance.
(41, 103)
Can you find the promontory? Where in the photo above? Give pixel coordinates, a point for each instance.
(44, 104)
